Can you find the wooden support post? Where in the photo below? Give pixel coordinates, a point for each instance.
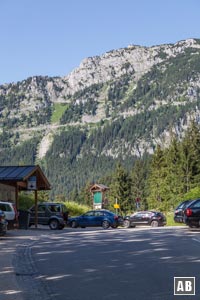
(36, 209)
(17, 197)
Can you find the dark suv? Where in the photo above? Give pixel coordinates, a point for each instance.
(50, 213)
(179, 211)
(192, 214)
(152, 218)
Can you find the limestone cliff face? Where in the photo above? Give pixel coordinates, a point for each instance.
(133, 60)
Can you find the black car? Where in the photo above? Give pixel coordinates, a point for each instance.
(96, 218)
(152, 218)
(50, 213)
(179, 211)
(192, 214)
(3, 223)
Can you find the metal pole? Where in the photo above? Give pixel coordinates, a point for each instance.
(36, 209)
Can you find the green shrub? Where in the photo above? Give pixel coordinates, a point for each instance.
(76, 209)
(193, 193)
(26, 201)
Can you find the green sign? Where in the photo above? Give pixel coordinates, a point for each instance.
(97, 197)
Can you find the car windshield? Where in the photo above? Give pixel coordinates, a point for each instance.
(5, 207)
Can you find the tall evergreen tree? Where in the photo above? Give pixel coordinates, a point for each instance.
(85, 196)
(190, 155)
(120, 188)
(157, 180)
(174, 174)
(138, 179)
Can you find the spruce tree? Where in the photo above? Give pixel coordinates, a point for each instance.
(120, 188)
(138, 179)
(190, 156)
(157, 180)
(174, 174)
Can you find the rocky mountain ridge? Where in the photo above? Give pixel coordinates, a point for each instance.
(132, 96)
(135, 60)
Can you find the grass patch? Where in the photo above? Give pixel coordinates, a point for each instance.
(58, 110)
(170, 220)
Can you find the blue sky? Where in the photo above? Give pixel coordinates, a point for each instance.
(51, 37)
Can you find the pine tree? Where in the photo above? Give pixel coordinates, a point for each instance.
(157, 180)
(85, 196)
(190, 155)
(120, 188)
(174, 174)
(138, 179)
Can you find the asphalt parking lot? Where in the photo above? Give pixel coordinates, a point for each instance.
(18, 266)
(9, 258)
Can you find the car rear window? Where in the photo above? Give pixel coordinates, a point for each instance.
(54, 208)
(184, 204)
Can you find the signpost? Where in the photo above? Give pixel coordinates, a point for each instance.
(98, 194)
(116, 206)
(32, 183)
(97, 200)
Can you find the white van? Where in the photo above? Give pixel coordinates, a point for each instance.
(11, 214)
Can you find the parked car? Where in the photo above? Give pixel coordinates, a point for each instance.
(3, 223)
(192, 214)
(11, 214)
(152, 218)
(179, 211)
(50, 213)
(94, 218)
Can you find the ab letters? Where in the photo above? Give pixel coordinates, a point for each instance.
(184, 286)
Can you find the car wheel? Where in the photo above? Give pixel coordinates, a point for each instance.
(74, 224)
(54, 224)
(154, 223)
(105, 224)
(126, 223)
